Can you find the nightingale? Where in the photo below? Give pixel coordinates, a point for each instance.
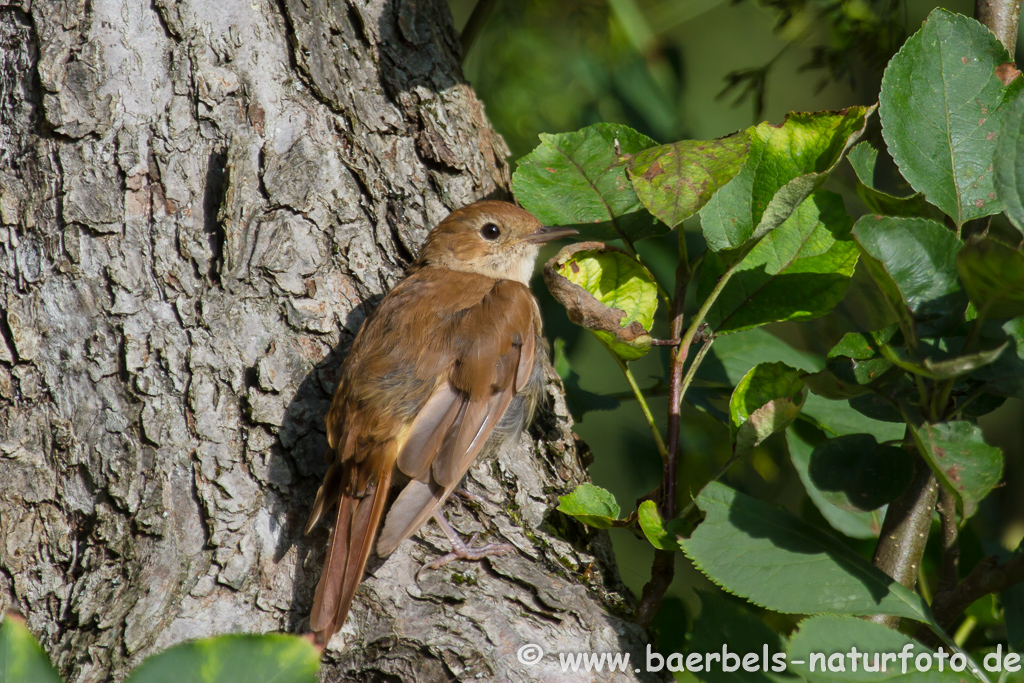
(445, 370)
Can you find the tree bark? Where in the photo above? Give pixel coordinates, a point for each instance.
(199, 202)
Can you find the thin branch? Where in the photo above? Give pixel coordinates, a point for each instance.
(986, 578)
(949, 572)
(683, 275)
(905, 529)
(663, 570)
(688, 379)
(1002, 18)
(714, 477)
(475, 24)
(648, 415)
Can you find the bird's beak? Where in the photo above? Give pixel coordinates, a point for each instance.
(548, 234)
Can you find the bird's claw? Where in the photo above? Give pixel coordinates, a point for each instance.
(466, 551)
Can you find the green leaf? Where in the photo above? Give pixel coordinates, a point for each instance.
(993, 275)
(743, 540)
(559, 360)
(913, 261)
(608, 292)
(21, 658)
(765, 401)
(786, 163)
(942, 107)
(732, 356)
(727, 623)
(800, 271)
(662, 535)
(675, 181)
(854, 472)
(1009, 163)
(1005, 377)
(853, 364)
(819, 652)
(828, 385)
(960, 458)
(839, 418)
(268, 658)
(944, 365)
(863, 345)
(802, 437)
(580, 179)
(592, 505)
(864, 157)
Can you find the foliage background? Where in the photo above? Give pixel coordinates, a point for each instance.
(660, 66)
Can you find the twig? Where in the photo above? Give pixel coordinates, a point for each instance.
(683, 275)
(648, 415)
(663, 570)
(1002, 18)
(475, 24)
(905, 529)
(987, 577)
(949, 572)
(688, 379)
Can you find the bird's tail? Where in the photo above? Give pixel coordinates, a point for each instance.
(355, 528)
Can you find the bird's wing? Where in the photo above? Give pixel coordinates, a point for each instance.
(492, 352)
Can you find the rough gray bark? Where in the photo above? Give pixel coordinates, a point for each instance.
(199, 201)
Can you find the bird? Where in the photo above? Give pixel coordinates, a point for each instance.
(446, 369)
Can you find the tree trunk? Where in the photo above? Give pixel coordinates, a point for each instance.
(199, 202)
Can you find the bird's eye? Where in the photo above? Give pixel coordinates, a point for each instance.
(490, 231)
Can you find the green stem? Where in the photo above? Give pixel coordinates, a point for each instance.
(692, 371)
(977, 393)
(475, 24)
(648, 415)
(715, 477)
(962, 633)
(942, 400)
(698, 319)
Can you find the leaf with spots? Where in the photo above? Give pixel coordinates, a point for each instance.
(606, 291)
(960, 458)
(675, 181)
(1009, 163)
(786, 164)
(579, 179)
(942, 105)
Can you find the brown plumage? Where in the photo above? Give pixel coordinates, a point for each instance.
(446, 368)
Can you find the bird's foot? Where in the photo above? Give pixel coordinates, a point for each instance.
(462, 550)
(465, 495)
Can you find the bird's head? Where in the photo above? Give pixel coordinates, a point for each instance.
(491, 238)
